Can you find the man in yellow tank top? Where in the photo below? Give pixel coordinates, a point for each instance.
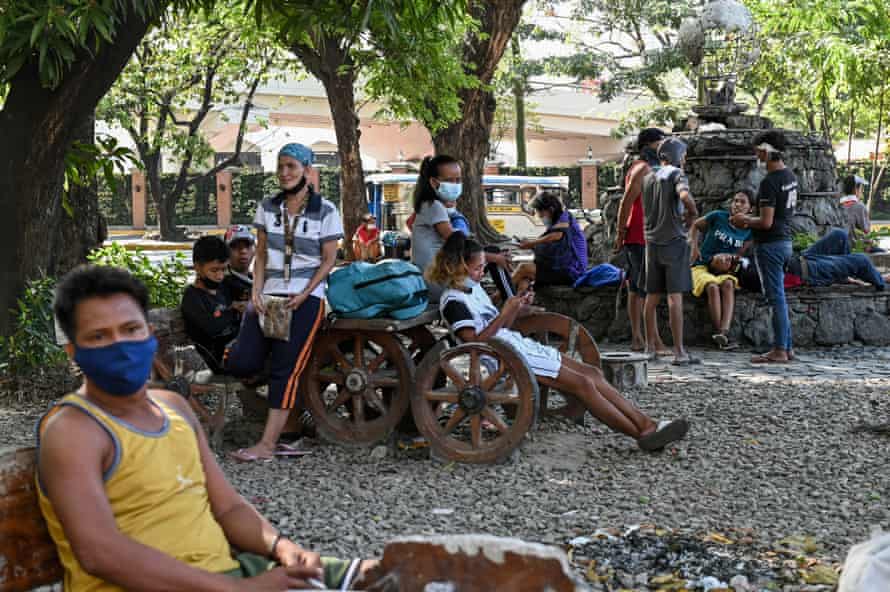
(131, 492)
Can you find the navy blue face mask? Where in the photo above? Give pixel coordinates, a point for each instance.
(119, 369)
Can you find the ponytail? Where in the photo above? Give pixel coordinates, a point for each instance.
(449, 268)
(429, 168)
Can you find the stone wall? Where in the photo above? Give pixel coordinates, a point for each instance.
(819, 316)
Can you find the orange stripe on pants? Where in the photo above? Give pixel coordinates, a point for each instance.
(290, 391)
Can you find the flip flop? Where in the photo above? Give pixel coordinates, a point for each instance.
(764, 359)
(283, 449)
(242, 455)
(688, 360)
(667, 432)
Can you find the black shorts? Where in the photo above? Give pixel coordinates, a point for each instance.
(636, 268)
(667, 268)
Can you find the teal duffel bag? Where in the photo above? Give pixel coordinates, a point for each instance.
(391, 288)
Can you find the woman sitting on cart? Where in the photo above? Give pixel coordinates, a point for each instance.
(470, 314)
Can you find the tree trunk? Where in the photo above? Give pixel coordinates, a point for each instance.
(334, 67)
(165, 203)
(38, 126)
(850, 134)
(872, 188)
(519, 97)
(467, 139)
(84, 228)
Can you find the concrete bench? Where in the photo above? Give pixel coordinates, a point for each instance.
(28, 556)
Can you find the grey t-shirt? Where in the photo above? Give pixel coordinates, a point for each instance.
(425, 241)
(662, 208)
(857, 217)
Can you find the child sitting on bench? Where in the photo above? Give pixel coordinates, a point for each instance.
(211, 318)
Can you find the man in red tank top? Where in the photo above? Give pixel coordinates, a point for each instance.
(630, 237)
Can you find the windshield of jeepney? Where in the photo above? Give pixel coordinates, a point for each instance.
(519, 195)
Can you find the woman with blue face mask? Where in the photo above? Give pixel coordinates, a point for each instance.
(471, 316)
(438, 188)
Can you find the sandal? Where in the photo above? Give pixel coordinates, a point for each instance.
(664, 434)
(765, 359)
(242, 455)
(688, 360)
(283, 449)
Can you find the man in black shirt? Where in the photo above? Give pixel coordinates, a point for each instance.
(771, 228)
(211, 320)
(239, 279)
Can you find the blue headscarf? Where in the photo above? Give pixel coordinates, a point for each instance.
(298, 152)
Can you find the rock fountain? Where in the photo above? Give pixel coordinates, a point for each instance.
(720, 42)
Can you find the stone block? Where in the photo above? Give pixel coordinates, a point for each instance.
(625, 370)
(759, 329)
(803, 329)
(836, 322)
(472, 563)
(872, 328)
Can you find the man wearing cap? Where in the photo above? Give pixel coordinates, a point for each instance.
(297, 234)
(776, 199)
(851, 202)
(668, 210)
(366, 240)
(239, 279)
(630, 238)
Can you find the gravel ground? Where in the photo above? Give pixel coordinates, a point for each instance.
(770, 453)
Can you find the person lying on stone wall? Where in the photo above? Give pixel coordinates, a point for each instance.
(131, 492)
(827, 262)
(720, 236)
(458, 267)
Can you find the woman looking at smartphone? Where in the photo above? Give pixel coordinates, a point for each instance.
(469, 312)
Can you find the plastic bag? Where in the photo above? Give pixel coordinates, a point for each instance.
(275, 323)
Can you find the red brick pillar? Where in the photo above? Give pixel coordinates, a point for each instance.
(223, 199)
(138, 193)
(589, 184)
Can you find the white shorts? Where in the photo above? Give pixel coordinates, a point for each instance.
(543, 360)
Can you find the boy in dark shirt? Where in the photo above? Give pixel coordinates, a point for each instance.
(211, 320)
(771, 231)
(239, 280)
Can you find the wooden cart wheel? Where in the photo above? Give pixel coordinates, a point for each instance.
(571, 338)
(486, 406)
(358, 385)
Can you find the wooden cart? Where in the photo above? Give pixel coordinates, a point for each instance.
(474, 402)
